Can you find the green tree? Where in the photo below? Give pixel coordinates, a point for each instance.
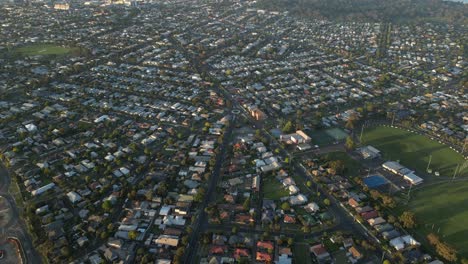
(327, 202)
(107, 205)
(133, 235)
(408, 219)
(65, 251)
(200, 195)
(287, 128)
(337, 165)
(285, 206)
(246, 204)
(349, 144)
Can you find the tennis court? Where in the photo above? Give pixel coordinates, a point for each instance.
(375, 181)
(336, 133)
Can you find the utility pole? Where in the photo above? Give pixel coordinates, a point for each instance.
(429, 163)
(393, 119)
(362, 131)
(409, 192)
(455, 172)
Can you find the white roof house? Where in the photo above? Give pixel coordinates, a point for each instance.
(74, 197)
(397, 243)
(413, 178)
(298, 199)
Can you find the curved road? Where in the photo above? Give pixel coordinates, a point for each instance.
(16, 226)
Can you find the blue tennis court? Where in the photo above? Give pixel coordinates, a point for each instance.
(375, 181)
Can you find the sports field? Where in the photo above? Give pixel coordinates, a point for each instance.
(42, 49)
(445, 206)
(413, 150)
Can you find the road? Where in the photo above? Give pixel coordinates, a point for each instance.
(17, 227)
(201, 223)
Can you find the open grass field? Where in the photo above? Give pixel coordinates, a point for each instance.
(445, 206)
(413, 150)
(325, 137)
(273, 189)
(352, 167)
(302, 253)
(42, 49)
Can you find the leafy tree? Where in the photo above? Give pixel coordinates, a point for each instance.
(200, 195)
(388, 201)
(408, 219)
(443, 249)
(285, 206)
(350, 124)
(107, 205)
(133, 235)
(327, 202)
(246, 204)
(337, 166)
(65, 251)
(349, 144)
(287, 128)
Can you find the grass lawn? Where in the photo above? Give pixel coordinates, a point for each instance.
(42, 49)
(446, 206)
(340, 257)
(352, 167)
(273, 189)
(301, 253)
(321, 138)
(413, 150)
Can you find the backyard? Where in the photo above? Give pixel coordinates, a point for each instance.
(273, 189)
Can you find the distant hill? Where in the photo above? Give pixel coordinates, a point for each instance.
(374, 10)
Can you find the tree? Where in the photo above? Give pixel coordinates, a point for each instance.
(246, 204)
(234, 230)
(408, 219)
(285, 206)
(386, 262)
(443, 249)
(290, 241)
(309, 184)
(349, 144)
(337, 166)
(388, 201)
(391, 219)
(350, 124)
(104, 235)
(132, 235)
(65, 251)
(327, 202)
(287, 127)
(375, 194)
(107, 205)
(180, 252)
